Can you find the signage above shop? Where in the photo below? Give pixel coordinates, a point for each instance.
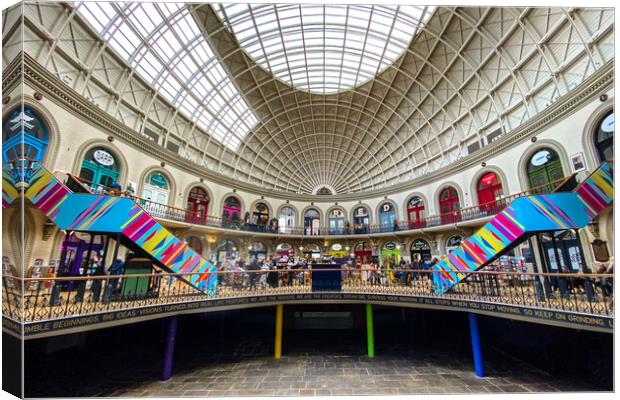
(489, 178)
(608, 123)
(420, 244)
(390, 246)
(454, 241)
(104, 158)
(415, 201)
(541, 158)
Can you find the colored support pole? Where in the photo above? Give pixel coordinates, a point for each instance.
(370, 331)
(172, 332)
(278, 344)
(475, 345)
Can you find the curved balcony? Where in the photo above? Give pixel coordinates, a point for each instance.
(583, 301)
(170, 213)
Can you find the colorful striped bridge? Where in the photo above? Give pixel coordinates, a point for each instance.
(107, 214)
(524, 217)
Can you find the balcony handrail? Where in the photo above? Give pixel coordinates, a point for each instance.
(298, 270)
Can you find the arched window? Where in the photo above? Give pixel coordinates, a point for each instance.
(286, 222)
(29, 126)
(361, 220)
(312, 222)
(415, 213)
(449, 205)
(232, 209)
(604, 138)
(258, 251)
(490, 192)
(260, 215)
(543, 168)
(156, 188)
(100, 167)
(197, 205)
(336, 222)
(226, 251)
(387, 217)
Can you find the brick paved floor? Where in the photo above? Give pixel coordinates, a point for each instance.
(233, 356)
(250, 370)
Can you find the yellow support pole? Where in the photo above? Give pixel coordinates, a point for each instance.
(278, 344)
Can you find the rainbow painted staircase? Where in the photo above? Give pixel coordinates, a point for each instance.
(524, 217)
(105, 214)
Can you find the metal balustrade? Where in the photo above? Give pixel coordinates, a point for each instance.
(164, 211)
(40, 299)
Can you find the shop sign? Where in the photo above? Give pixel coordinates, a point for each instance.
(421, 245)
(414, 202)
(608, 123)
(541, 158)
(387, 207)
(104, 158)
(489, 178)
(390, 246)
(159, 180)
(336, 247)
(454, 241)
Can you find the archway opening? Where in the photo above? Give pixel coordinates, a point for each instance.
(312, 222)
(100, 169)
(361, 220)
(415, 213)
(336, 222)
(197, 205)
(490, 190)
(449, 205)
(544, 170)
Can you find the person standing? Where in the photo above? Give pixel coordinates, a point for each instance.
(253, 269)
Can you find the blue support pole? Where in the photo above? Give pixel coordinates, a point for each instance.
(475, 345)
(172, 332)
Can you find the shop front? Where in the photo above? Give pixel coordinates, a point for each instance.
(227, 250)
(420, 250)
(338, 253)
(257, 251)
(311, 251)
(390, 253)
(284, 250)
(362, 252)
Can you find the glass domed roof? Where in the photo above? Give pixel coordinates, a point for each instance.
(323, 48)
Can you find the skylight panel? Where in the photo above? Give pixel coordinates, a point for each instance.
(317, 37)
(167, 49)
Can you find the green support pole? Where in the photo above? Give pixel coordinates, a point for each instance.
(370, 332)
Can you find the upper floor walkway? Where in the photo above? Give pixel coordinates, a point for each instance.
(464, 217)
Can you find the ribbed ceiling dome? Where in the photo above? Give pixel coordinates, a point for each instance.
(351, 108)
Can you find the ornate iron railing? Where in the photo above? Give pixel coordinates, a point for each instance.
(40, 299)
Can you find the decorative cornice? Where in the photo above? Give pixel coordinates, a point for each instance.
(41, 79)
